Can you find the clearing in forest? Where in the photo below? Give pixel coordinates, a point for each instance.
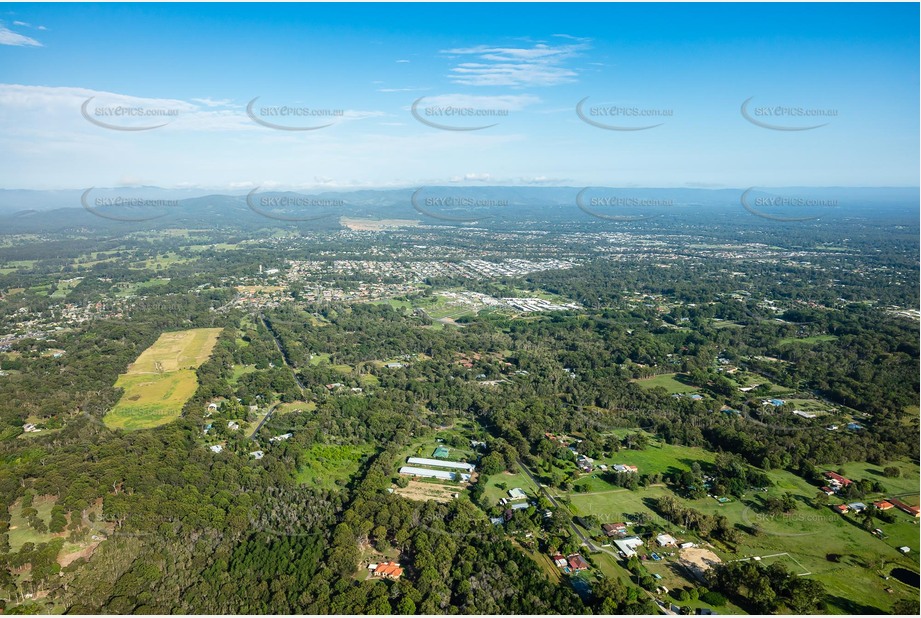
(162, 379)
(184, 349)
(418, 490)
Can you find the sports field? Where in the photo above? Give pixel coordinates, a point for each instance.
(161, 380)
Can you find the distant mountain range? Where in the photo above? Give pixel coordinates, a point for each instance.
(23, 210)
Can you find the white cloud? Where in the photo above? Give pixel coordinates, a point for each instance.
(39, 107)
(8, 37)
(401, 89)
(21, 23)
(402, 61)
(539, 65)
(215, 103)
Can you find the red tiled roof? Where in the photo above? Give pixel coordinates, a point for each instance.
(576, 562)
(883, 505)
(838, 477)
(389, 569)
(912, 510)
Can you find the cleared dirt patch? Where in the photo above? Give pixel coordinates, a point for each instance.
(376, 225)
(417, 490)
(86, 552)
(698, 560)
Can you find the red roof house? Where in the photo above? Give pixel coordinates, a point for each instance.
(835, 477)
(577, 563)
(388, 569)
(914, 511)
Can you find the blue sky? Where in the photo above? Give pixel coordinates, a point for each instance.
(688, 68)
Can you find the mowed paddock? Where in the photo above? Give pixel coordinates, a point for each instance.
(185, 349)
(161, 380)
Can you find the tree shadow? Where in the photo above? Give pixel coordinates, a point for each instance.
(852, 607)
(705, 466)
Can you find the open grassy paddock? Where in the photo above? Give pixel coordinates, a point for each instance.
(834, 549)
(161, 380)
(186, 349)
(667, 381)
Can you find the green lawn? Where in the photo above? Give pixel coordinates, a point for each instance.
(661, 457)
(239, 371)
(616, 504)
(810, 405)
(668, 382)
(494, 493)
(305, 406)
(366, 379)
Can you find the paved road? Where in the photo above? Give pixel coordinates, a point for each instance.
(284, 357)
(265, 418)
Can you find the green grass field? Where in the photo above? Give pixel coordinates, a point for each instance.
(239, 371)
(21, 532)
(367, 379)
(807, 340)
(161, 380)
(150, 400)
(494, 486)
(658, 457)
(668, 382)
(906, 483)
(808, 534)
(304, 406)
(64, 287)
(177, 350)
(134, 288)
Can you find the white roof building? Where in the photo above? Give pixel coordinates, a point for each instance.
(628, 545)
(440, 463)
(427, 473)
(517, 494)
(666, 539)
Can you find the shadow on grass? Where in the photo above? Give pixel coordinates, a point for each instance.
(847, 606)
